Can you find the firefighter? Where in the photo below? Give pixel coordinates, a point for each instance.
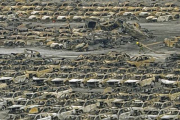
(141, 48)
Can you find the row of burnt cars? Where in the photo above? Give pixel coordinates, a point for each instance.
(85, 26)
(79, 11)
(112, 86)
(88, 35)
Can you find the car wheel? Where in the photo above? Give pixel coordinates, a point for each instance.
(100, 85)
(3, 108)
(22, 111)
(152, 84)
(55, 118)
(85, 50)
(82, 85)
(22, 44)
(41, 43)
(80, 112)
(105, 105)
(10, 103)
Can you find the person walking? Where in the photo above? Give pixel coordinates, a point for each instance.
(141, 48)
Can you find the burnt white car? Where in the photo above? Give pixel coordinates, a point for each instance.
(3, 104)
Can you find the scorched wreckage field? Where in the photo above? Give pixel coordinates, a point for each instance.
(84, 60)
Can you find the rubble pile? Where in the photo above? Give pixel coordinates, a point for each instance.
(110, 34)
(113, 86)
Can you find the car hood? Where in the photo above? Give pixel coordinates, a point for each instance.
(61, 17)
(76, 107)
(16, 106)
(152, 116)
(169, 116)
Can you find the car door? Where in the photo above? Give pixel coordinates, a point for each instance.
(93, 105)
(63, 113)
(87, 107)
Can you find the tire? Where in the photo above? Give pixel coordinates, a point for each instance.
(152, 84)
(82, 85)
(3, 108)
(10, 44)
(22, 111)
(100, 85)
(56, 47)
(56, 118)
(34, 20)
(22, 44)
(10, 104)
(16, 44)
(80, 112)
(105, 105)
